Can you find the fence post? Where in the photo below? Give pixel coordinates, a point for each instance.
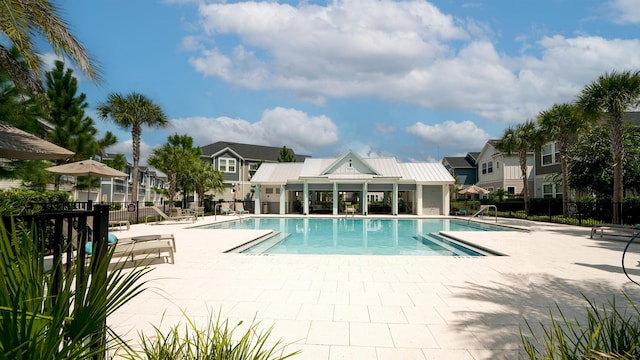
(99, 273)
(57, 252)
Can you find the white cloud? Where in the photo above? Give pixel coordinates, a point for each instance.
(406, 52)
(293, 128)
(126, 148)
(451, 135)
(626, 11)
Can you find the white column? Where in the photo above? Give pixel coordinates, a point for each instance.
(256, 201)
(446, 205)
(365, 199)
(283, 199)
(336, 200)
(418, 199)
(394, 199)
(305, 190)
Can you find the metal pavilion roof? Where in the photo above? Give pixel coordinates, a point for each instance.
(387, 169)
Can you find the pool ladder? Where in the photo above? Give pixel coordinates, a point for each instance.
(486, 208)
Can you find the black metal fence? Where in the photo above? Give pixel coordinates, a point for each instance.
(600, 211)
(62, 231)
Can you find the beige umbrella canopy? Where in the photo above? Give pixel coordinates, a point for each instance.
(21, 145)
(87, 168)
(473, 189)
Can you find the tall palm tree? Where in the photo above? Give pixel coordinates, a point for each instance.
(132, 111)
(22, 22)
(613, 94)
(561, 123)
(521, 139)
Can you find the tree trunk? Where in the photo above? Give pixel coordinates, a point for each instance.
(525, 180)
(617, 152)
(563, 148)
(172, 188)
(135, 138)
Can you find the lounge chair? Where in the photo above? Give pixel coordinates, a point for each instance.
(350, 209)
(226, 209)
(198, 211)
(178, 216)
(240, 209)
(119, 223)
(617, 230)
(146, 245)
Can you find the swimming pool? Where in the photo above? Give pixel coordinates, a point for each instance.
(357, 236)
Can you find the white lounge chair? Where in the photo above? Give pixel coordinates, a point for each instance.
(146, 245)
(616, 230)
(178, 216)
(226, 209)
(240, 209)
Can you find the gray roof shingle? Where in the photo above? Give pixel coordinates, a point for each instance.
(248, 151)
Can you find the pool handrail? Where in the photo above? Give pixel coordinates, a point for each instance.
(486, 208)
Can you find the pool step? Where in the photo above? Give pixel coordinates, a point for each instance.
(265, 244)
(447, 245)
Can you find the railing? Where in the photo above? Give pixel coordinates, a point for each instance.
(598, 211)
(62, 230)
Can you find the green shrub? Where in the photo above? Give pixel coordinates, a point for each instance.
(20, 201)
(607, 334)
(216, 341)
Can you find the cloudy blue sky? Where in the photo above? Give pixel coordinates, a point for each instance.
(416, 80)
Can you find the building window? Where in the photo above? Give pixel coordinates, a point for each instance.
(550, 191)
(550, 154)
(489, 167)
(511, 190)
(227, 165)
(484, 168)
(268, 190)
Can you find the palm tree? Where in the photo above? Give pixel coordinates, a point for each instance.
(205, 177)
(521, 139)
(561, 123)
(133, 111)
(175, 157)
(20, 20)
(613, 93)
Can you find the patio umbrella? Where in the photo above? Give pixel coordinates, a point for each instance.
(473, 189)
(87, 168)
(21, 145)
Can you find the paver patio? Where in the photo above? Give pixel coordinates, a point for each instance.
(383, 307)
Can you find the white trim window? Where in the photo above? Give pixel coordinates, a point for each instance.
(227, 165)
(489, 167)
(511, 190)
(551, 190)
(484, 168)
(550, 154)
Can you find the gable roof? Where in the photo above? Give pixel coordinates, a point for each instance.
(247, 151)
(348, 159)
(458, 162)
(335, 169)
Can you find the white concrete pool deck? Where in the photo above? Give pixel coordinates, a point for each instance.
(383, 307)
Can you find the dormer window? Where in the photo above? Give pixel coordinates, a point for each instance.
(227, 165)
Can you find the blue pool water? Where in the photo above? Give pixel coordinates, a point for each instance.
(350, 236)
